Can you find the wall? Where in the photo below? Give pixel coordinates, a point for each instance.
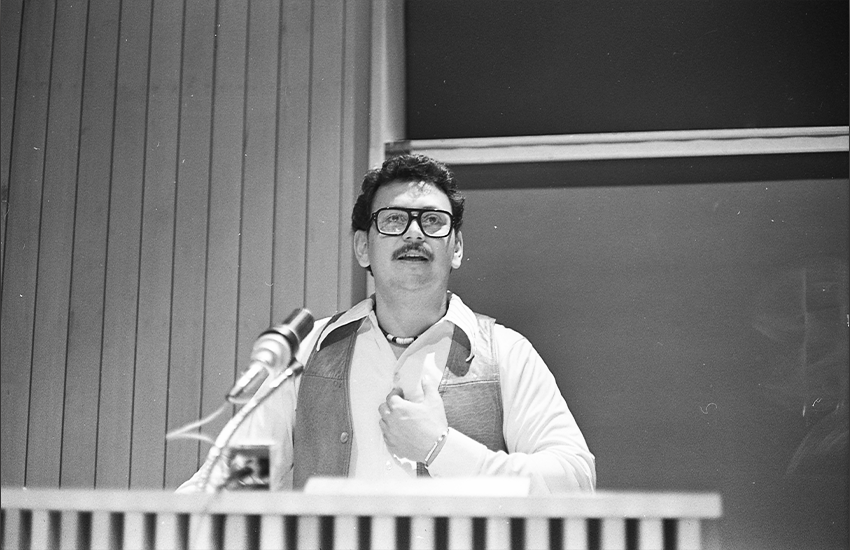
(175, 177)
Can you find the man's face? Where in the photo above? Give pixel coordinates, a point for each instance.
(412, 260)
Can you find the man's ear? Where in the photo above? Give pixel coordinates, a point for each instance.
(457, 256)
(360, 241)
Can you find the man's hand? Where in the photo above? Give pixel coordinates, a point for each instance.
(411, 428)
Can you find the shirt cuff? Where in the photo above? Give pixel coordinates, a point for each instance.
(460, 456)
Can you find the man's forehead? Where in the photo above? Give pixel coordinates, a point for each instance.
(417, 187)
(412, 189)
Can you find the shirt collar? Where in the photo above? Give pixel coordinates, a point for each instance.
(458, 314)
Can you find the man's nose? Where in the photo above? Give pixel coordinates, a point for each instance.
(414, 231)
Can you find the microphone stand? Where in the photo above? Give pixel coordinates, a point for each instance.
(220, 447)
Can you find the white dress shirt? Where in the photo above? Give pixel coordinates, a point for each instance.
(543, 440)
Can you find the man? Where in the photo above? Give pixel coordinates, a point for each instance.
(410, 381)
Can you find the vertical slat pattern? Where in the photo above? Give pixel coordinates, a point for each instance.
(498, 533)
(272, 533)
(157, 241)
(13, 528)
(95, 166)
(233, 520)
(346, 532)
(383, 532)
(324, 173)
(135, 532)
(73, 536)
(575, 533)
(293, 126)
(235, 532)
(45, 530)
(202, 532)
(167, 531)
(79, 441)
(190, 246)
(10, 36)
(614, 534)
(257, 216)
(122, 104)
(537, 533)
(354, 143)
(309, 533)
(422, 533)
(103, 532)
(651, 533)
(460, 533)
(193, 182)
(92, 212)
(22, 228)
(56, 245)
(222, 273)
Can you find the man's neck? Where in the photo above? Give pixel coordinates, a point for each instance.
(410, 313)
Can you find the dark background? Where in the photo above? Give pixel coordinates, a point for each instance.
(499, 68)
(694, 310)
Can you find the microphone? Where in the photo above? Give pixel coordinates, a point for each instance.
(274, 349)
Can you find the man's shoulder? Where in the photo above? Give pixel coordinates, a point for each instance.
(496, 336)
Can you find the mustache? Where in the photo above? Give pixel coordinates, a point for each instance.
(413, 247)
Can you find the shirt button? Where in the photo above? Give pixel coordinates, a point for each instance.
(343, 437)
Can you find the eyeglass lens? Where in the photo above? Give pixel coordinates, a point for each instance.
(391, 221)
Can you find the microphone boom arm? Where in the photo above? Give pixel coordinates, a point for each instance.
(219, 450)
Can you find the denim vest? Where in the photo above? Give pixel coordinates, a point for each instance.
(470, 388)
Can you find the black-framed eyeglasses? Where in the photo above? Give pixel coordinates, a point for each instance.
(394, 221)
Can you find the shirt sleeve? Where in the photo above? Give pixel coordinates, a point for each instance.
(543, 439)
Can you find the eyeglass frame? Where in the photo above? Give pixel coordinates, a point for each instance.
(412, 213)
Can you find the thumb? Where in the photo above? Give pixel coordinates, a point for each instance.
(429, 386)
(397, 392)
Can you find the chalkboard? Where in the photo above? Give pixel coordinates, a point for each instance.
(698, 332)
(480, 68)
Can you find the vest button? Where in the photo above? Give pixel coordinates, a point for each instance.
(343, 437)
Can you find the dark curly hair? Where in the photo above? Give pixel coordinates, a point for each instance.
(406, 168)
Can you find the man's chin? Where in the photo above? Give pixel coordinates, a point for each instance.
(414, 277)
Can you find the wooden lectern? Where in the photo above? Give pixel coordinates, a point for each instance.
(40, 519)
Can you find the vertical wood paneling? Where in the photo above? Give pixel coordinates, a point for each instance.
(10, 36)
(155, 269)
(85, 326)
(197, 184)
(290, 229)
(255, 267)
(222, 273)
(95, 166)
(354, 144)
(324, 171)
(122, 266)
(56, 245)
(187, 325)
(21, 261)
(95, 157)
